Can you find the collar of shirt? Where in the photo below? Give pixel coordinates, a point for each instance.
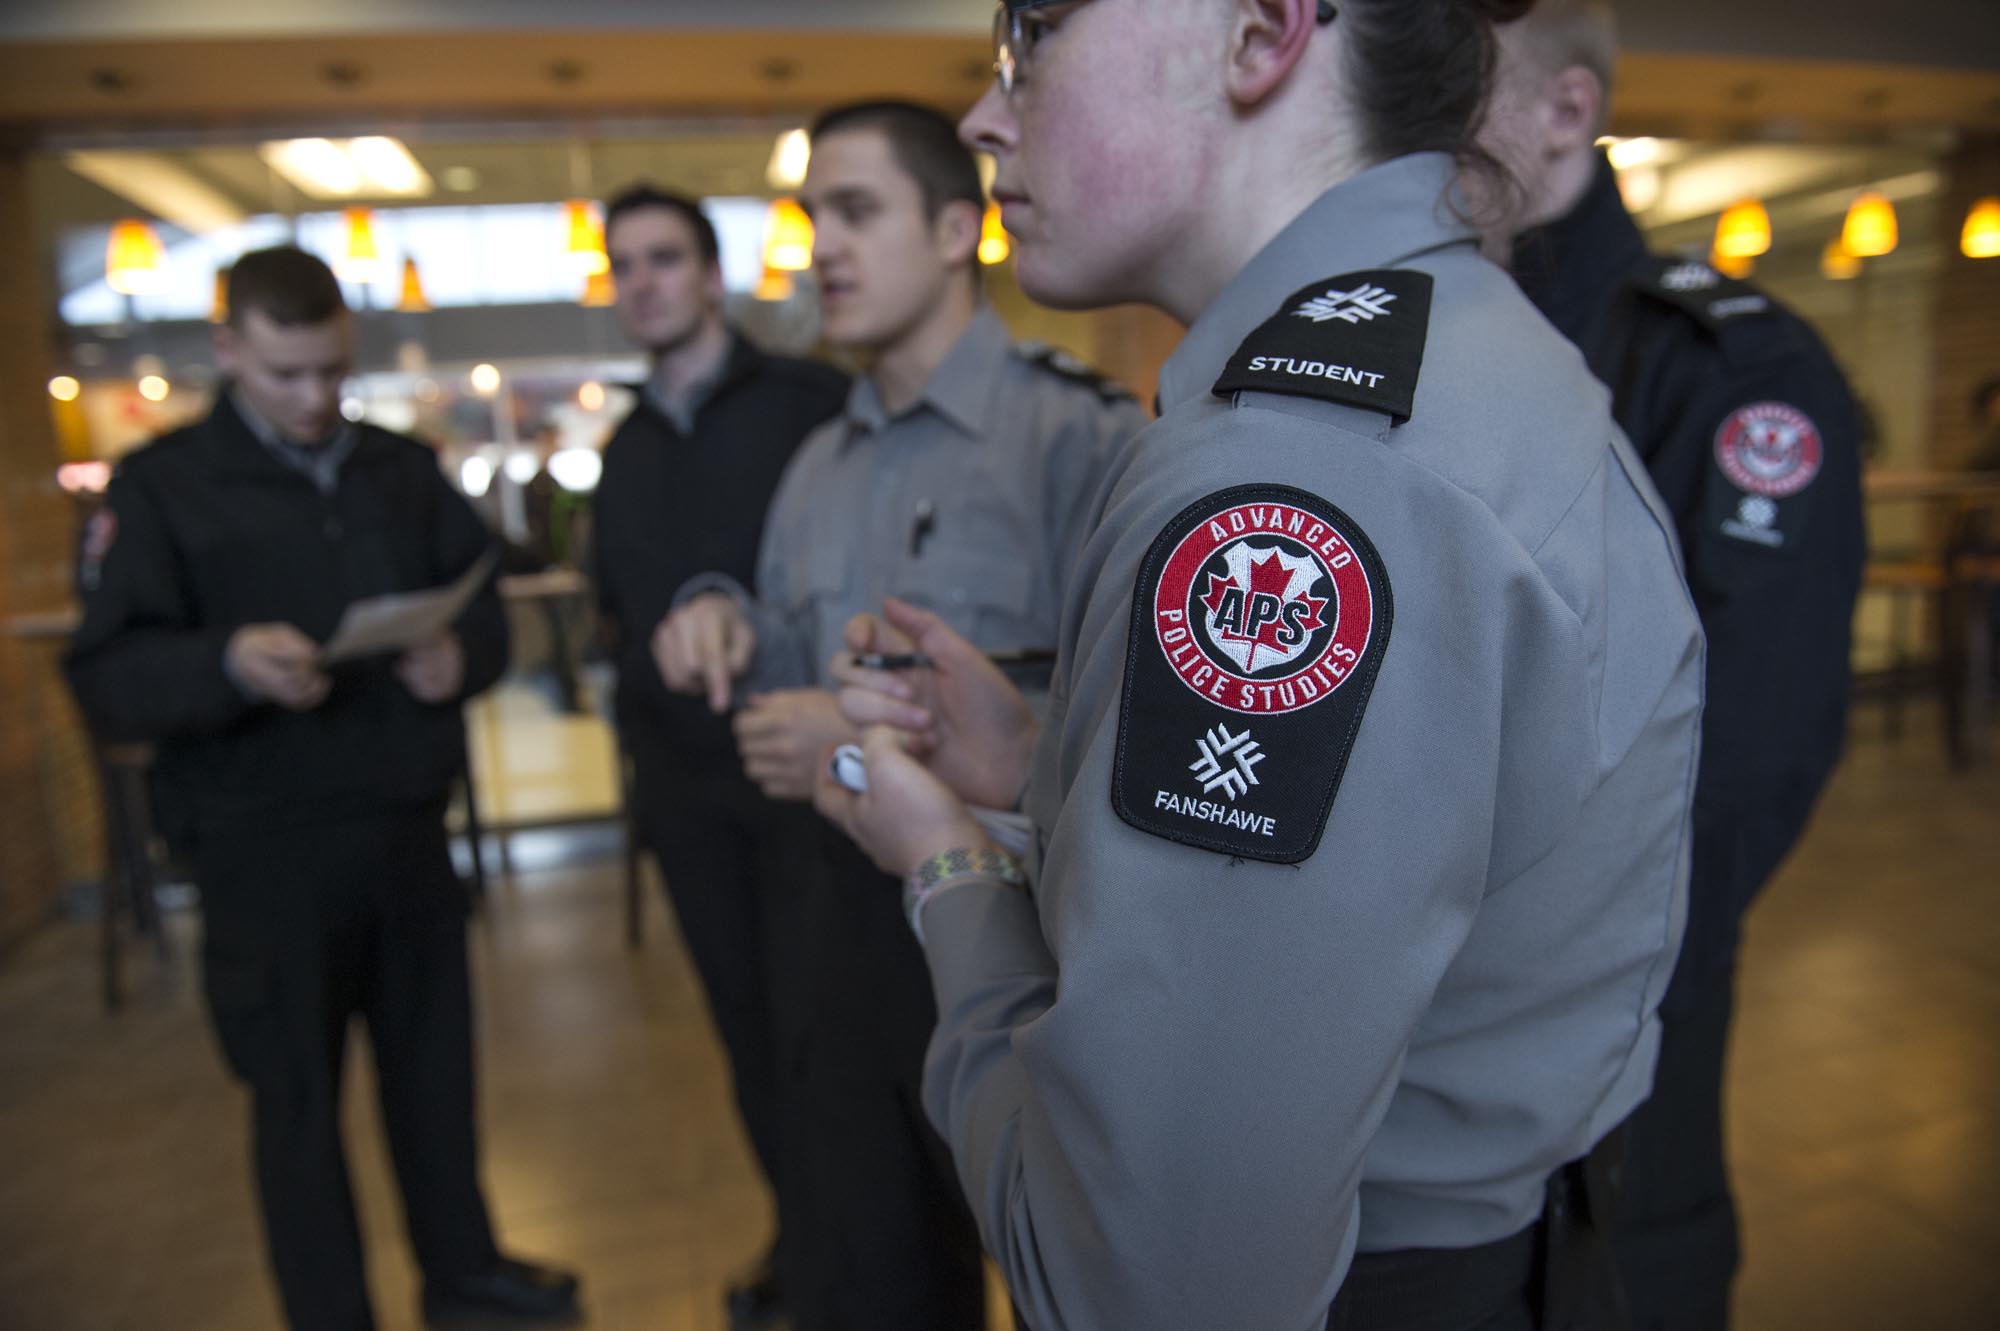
(682, 411)
(961, 389)
(1569, 267)
(1382, 217)
(321, 465)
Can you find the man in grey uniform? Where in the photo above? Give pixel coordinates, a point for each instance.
(1361, 807)
(960, 477)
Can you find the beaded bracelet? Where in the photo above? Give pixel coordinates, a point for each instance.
(950, 868)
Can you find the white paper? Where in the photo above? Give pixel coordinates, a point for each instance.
(402, 620)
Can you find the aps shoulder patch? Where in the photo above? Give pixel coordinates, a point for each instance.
(1259, 622)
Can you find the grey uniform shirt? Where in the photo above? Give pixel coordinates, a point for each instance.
(1182, 1088)
(973, 503)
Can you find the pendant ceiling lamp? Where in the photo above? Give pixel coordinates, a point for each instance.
(1870, 229)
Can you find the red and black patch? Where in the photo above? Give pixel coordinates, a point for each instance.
(1769, 448)
(1258, 624)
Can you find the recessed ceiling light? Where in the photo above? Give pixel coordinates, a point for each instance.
(374, 165)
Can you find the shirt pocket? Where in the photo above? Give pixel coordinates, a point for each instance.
(988, 598)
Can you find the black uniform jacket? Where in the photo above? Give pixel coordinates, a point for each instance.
(673, 505)
(1752, 438)
(206, 530)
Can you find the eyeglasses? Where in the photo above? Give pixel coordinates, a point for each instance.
(1016, 31)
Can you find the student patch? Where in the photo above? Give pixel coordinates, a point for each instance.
(1356, 339)
(1259, 622)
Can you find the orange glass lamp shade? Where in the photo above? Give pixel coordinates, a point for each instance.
(598, 290)
(788, 237)
(775, 285)
(411, 299)
(1870, 229)
(1980, 238)
(135, 263)
(994, 246)
(583, 248)
(360, 258)
(1743, 231)
(1836, 264)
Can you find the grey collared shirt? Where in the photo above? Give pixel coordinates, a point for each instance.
(1183, 1089)
(681, 408)
(319, 464)
(971, 503)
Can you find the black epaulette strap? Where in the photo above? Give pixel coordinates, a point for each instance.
(1059, 362)
(1696, 289)
(1356, 339)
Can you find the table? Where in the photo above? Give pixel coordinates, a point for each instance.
(1958, 565)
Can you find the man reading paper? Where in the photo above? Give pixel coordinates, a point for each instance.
(309, 795)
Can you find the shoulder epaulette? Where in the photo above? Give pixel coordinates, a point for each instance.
(1701, 292)
(1059, 362)
(1357, 339)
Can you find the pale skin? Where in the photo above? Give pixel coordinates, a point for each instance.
(896, 288)
(1152, 148)
(291, 376)
(1542, 122)
(937, 740)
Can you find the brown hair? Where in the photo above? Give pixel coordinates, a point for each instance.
(1420, 71)
(925, 144)
(644, 195)
(284, 284)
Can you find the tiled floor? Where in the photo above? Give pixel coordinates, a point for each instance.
(1867, 1100)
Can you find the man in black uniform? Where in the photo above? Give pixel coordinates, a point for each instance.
(687, 480)
(1750, 434)
(310, 798)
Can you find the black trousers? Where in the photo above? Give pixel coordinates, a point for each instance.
(731, 861)
(307, 928)
(890, 1244)
(1676, 1232)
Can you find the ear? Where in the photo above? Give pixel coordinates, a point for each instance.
(1572, 109)
(957, 232)
(713, 284)
(1267, 38)
(225, 343)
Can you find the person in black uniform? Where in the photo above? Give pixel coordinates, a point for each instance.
(310, 799)
(687, 479)
(1751, 437)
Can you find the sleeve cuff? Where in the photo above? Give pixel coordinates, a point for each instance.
(704, 584)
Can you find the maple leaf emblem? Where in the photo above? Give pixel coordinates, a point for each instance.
(1262, 614)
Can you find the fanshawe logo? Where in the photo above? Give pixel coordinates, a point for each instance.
(1690, 277)
(1228, 763)
(1769, 449)
(1263, 608)
(1362, 305)
(1753, 522)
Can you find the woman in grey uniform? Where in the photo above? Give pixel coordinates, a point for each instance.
(1359, 815)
